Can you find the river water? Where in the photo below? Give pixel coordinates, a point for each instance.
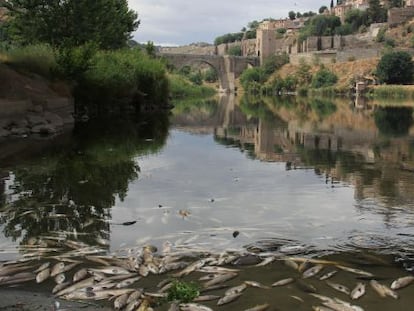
(305, 177)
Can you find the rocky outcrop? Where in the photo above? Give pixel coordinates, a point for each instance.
(30, 105)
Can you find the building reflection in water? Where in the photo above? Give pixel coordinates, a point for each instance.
(362, 144)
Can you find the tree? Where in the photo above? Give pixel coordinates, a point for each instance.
(332, 4)
(322, 9)
(395, 68)
(108, 23)
(150, 49)
(376, 12)
(292, 15)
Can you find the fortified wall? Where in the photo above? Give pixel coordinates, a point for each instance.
(327, 49)
(397, 16)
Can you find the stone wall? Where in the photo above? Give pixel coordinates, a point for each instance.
(357, 53)
(323, 57)
(223, 49)
(249, 47)
(400, 15)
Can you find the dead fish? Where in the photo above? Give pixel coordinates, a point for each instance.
(283, 282)
(256, 284)
(166, 287)
(9, 270)
(266, 261)
(355, 271)
(206, 298)
(383, 290)
(42, 275)
(312, 271)
(259, 308)
(134, 296)
(216, 270)
(220, 279)
(133, 305)
(97, 295)
(194, 307)
(127, 282)
(328, 275)
(18, 278)
(358, 291)
(402, 282)
(120, 301)
(321, 308)
(59, 287)
(214, 287)
(228, 299)
(304, 266)
(143, 270)
(291, 263)
(80, 275)
(306, 287)
(339, 287)
(60, 278)
(194, 266)
(235, 290)
(57, 268)
(207, 277)
(111, 270)
(42, 267)
(81, 284)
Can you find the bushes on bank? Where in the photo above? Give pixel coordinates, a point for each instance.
(323, 78)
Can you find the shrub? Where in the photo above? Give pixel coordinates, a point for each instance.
(323, 78)
(210, 75)
(235, 50)
(250, 75)
(395, 68)
(275, 62)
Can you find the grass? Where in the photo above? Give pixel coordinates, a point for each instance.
(180, 88)
(183, 291)
(399, 92)
(38, 59)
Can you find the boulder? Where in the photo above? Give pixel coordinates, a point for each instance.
(4, 133)
(53, 119)
(19, 131)
(35, 119)
(44, 129)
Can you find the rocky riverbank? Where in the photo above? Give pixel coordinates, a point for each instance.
(30, 104)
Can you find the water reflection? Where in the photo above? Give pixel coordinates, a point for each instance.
(68, 191)
(370, 148)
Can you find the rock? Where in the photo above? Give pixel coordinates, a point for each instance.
(45, 129)
(37, 108)
(4, 133)
(18, 131)
(54, 120)
(35, 120)
(68, 120)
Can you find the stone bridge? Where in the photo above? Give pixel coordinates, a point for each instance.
(228, 68)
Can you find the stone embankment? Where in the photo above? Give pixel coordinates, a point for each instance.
(30, 105)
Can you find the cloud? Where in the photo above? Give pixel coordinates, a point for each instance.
(184, 22)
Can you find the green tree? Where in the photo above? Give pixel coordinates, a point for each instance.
(376, 12)
(108, 23)
(322, 9)
(395, 68)
(292, 15)
(150, 49)
(210, 75)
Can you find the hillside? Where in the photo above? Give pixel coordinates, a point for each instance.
(346, 72)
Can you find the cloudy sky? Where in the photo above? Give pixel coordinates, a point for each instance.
(179, 22)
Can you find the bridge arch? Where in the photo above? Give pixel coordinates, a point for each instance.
(228, 68)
